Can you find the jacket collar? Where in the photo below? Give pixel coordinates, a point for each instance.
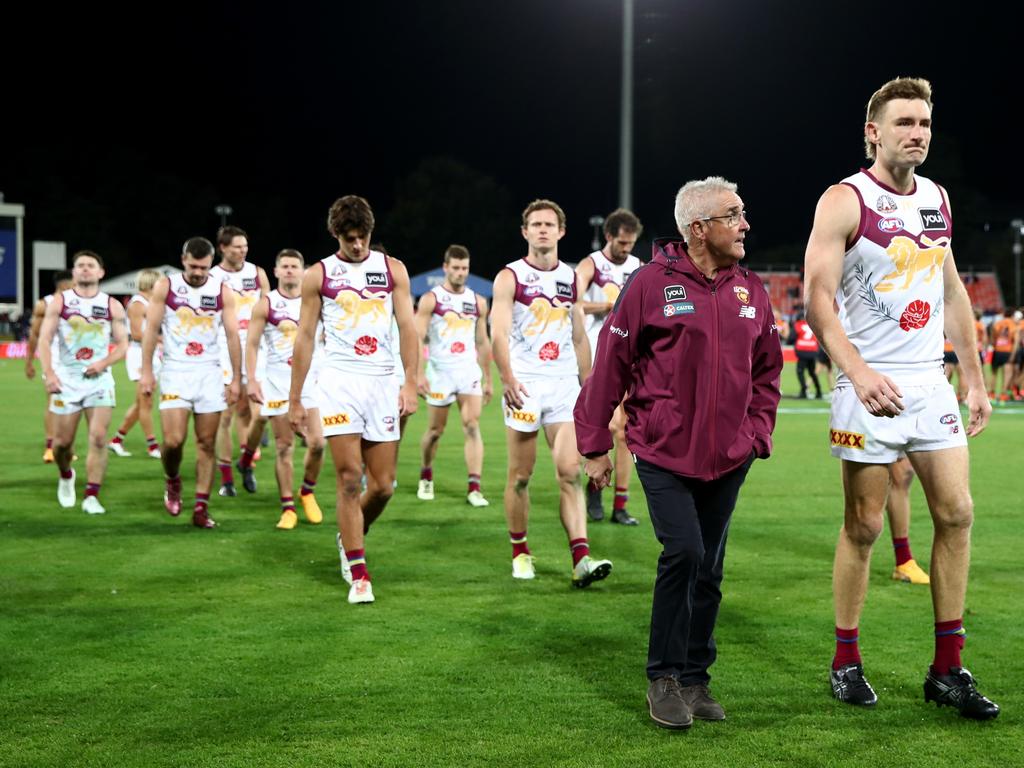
(672, 254)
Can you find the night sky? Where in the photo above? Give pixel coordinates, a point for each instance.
(122, 131)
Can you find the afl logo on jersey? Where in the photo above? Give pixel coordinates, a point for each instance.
(182, 290)
(885, 204)
(932, 219)
(890, 225)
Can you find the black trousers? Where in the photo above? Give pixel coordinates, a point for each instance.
(691, 520)
(806, 363)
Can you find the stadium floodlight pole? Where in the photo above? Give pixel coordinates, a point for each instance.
(1018, 229)
(626, 110)
(223, 211)
(596, 222)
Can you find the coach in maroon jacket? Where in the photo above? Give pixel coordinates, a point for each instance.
(692, 345)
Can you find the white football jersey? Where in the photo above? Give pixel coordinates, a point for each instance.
(891, 295)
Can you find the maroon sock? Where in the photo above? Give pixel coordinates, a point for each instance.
(847, 649)
(357, 562)
(427, 473)
(151, 442)
(227, 475)
(246, 460)
(580, 549)
(49, 443)
(519, 546)
(902, 549)
(92, 489)
(474, 483)
(66, 474)
(119, 437)
(621, 497)
(949, 641)
(307, 486)
(287, 503)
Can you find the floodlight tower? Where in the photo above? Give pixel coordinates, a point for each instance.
(626, 110)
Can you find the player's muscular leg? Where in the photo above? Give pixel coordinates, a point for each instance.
(944, 477)
(865, 487)
(206, 437)
(522, 456)
(380, 459)
(99, 425)
(473, 450)
(562, 439)
(348, 467)
(174, 425)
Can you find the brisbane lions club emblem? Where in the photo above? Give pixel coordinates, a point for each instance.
(741, 293)
(885, 204)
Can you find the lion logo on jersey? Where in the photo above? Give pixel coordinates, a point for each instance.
(355, 309)
(85, 333)
(455, 324)
(546, 314)
(611, 292)
(909, 260)
(189, 322)
(288, 330)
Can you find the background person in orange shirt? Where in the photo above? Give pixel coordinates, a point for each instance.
(951, 365)
(1017, 357)
(1003, 334)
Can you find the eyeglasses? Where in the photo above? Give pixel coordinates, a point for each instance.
(730, 219)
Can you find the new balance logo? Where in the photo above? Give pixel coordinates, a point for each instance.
(748, 312)
(847, 439)
(337, 420)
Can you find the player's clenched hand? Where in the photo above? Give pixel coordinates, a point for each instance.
(979, 410)
(407, 402)
(514, 394)
(488, 391)
(53, 384)
(422, 386)
(256, 392)
(232, 391)
(95, 369)
(147, 383)
(297, 418)
(878, 393)
(30, 369)
(599, 470)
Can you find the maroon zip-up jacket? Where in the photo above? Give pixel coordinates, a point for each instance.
(699, 361)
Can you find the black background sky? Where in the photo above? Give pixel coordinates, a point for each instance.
(125, 128)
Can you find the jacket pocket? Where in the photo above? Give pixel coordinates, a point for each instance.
(654, 426)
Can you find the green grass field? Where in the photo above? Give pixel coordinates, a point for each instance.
(133, 639)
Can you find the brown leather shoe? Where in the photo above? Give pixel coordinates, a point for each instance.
(666, 704)
(701, 704)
